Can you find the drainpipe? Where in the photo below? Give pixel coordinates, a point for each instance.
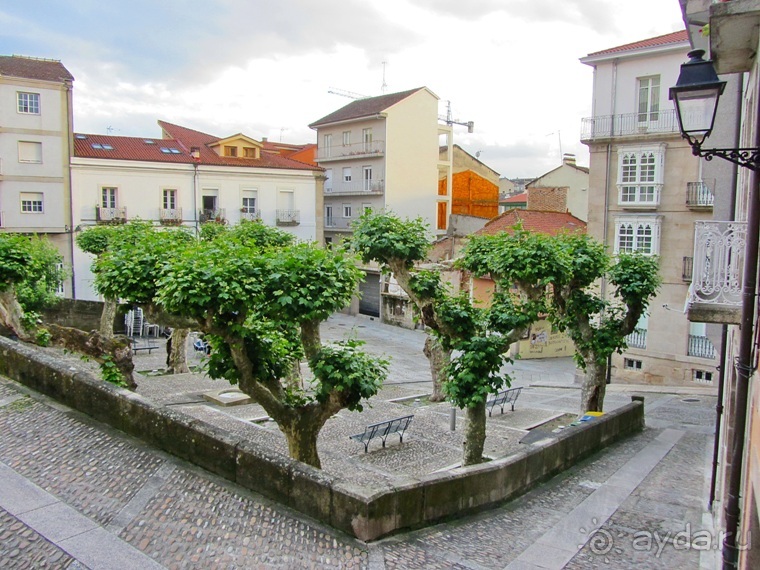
(195, 152)
(70, 192)
(743, 366)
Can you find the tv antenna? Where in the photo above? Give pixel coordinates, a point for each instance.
(450, 121)
(344, 93)
(385, 85)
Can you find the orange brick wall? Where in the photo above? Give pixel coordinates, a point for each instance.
(548, 199)
(472, 195)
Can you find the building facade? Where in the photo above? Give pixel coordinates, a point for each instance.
(35, 147)
(571, 177)
(646, 192)
(187, 178)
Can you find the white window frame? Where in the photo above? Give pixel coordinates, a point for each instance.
(632, 364)
(168, 198)
(346, 138)
(347, 210)
(32, 202)
(641, 233)
(347, 174)
(648, 99)
(367, 139)
(109, 197)
(640, 176)
(328, 180)
(27, 103)
(701, 376)
(249, 202)
(30, 152)
(367, 178)
(327, 144)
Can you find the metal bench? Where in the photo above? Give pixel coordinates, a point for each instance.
(502, 399)
(383, 430)
(143, 343)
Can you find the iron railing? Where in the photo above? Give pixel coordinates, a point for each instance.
(700, 194)
(355, 150)
(637, 339)
(250, 214)
(111, 215)
(339, 224)
(606, 126)
(288, 217)
(209, 215)
(700, 346)
(170, 216)
(718, 262)
(360, 188)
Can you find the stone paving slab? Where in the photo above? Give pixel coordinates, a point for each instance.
(22, 548)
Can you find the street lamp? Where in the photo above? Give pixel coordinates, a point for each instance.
(696, 95)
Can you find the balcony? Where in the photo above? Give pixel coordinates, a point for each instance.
(170, 216)
(628, 124)
(288, 217)
(361, 188)
(250, 214)
(217, 215)
(699, 195)
(637, 339)
(111, 215)
(350, 151)
(688, 269)
(701, 347)
(338, 224)
(715, 293)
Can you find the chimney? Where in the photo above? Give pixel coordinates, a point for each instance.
(263, 139)
(568, 158)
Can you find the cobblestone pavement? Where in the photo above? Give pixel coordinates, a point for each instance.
(78, 494)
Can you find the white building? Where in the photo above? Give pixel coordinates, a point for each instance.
(382, 153)
(35, 143)
(187, 178)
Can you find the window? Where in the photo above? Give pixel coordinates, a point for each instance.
(346, 138)
(170, 150)
(30, 152)
(701, 376)
(31, 202)
(108, 197)
(640, 172)
(102, 146)
(631, 364)
(327, 145)
(443, 217)
(28, 103)
(250, 152)
(366, 208)
(347, 174)
(249, 202)
(637, 233)
(230, 151)
(328, 180)
(649, 98)
(170, 198)
(367, 139)
(638, 338)
(347, 210)
(59, 287)
(367, 178)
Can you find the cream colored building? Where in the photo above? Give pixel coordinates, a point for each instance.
(382, 153)
(35, 143)
(571, 176)
(646, 191)
(188, 178)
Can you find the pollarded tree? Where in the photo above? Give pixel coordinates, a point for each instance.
(571, 266)
(260, 299)
(480, 335)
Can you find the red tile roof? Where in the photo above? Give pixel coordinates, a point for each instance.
(551, 223)
(364, 107)
(672, 38)
(181, 140)
(521, 198)
(34, 68)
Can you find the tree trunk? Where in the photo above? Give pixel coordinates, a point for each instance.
(594, 386)
(11, 314)
(302, 437)
(107, 317)
(178, 354)
(439, 359)
(474, 435)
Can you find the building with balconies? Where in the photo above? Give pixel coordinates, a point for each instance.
(188, 178)
(382, 154)
(35, 145)
(646, 193)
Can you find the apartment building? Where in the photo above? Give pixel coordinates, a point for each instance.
(571, 184)
(646, 192)
(35, 146)
(187, 177)
(382, 153)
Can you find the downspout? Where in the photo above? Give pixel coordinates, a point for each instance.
(743, 367)
(195, 197)
(70, 208)
(724, 332)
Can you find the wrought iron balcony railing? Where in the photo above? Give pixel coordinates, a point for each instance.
(208, 215)
(111, 215)
(718, 263)
(360, 188)
(170, 216)
(700, 194)
(637, 339)
(356, 150)
(288, 217)
(701, 347)
(338, 224)
(628, 124)
(250, 214)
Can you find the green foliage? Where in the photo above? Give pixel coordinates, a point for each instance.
(474, 373)
(426, 284)
(210, 231)
(15, 259)
(257, 234)
(31, 266)
(43, 337)
(382, 237)
(341, 367)
(110, 372)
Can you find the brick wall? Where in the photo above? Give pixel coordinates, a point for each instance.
(548, 199)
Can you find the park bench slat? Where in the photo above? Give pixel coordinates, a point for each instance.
(502, 399)
(383, 430)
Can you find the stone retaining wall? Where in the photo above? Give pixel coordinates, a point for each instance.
(82, 315)
(335, 502)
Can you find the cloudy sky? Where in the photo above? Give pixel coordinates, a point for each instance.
(264, 67)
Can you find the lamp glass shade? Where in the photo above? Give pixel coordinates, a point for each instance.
(696, 110)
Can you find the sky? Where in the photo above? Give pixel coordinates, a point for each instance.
(264, 67)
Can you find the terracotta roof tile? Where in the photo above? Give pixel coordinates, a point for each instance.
(672, 38)
(516, 199)
(364, 107)
(551, 223)
(34, 68)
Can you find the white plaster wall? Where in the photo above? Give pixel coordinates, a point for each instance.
(51, 110)
(577, 183)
